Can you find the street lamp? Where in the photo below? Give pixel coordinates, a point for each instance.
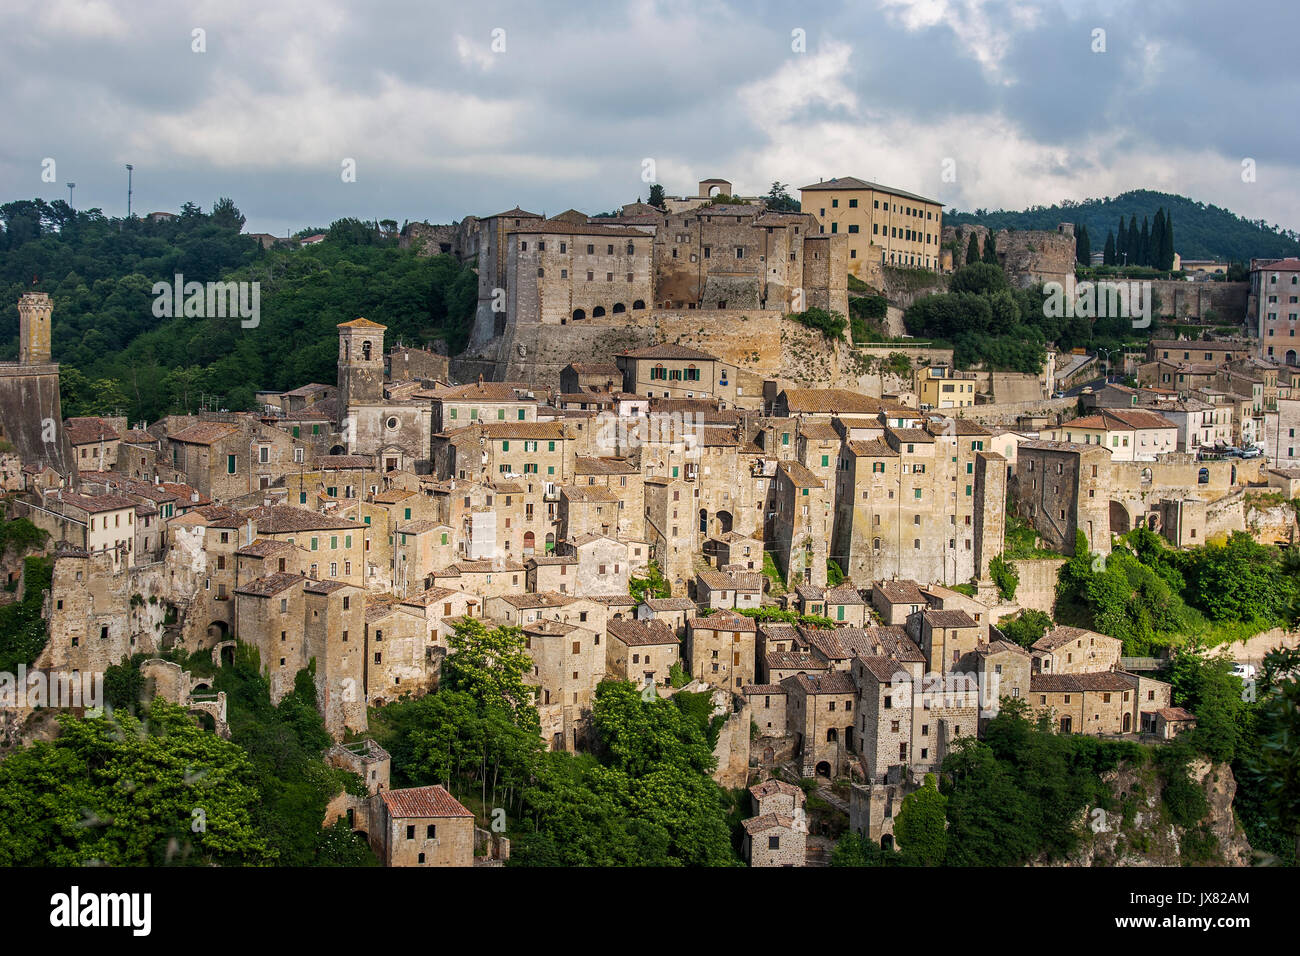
(129, 169)
(71, 187)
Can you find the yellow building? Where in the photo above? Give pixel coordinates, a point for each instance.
(942, 386)
(885, 226)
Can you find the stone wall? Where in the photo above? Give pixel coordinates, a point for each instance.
(1037, 587)
(1191, 300)
(1007, 414)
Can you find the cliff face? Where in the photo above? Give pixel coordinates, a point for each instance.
(1139, 832)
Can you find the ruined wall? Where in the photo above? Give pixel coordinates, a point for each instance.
(1192, 300)
(1037, 587)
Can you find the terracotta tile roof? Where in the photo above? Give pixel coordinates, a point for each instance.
(528, 602)
(670, 604)
(668, 351)
(794, 660)
(1076, 683)
(853, 182)
(270, 584)
(93, 504)
(830, 401)
(876, 448)
(770, 787)
(638, 633)
(722, 621)
(768, 689)
(884, 669)
(741, 581)
(799, 475)
(901, 592)
(551, 227)
(832, 682)
(603, 466)
(263, 547)
(204, 433)
(768, 821)
(285, 519)
(588, 493)
(431, 801)
(84, 431)
(361, 323)
(1062, 634)
(948, 618)
(1178, 713)
(844, 594)
(331, 462)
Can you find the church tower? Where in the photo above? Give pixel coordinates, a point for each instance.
(34, 310)
(361, 364)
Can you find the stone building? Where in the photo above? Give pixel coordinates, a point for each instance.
(720, 649)
(640, 651)
(1073, 650)
(31, 417)
(882, 225)
(820, 715)
(422, 826)
(801, 524)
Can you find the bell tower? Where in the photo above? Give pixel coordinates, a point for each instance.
(34, 310)
(361, 364)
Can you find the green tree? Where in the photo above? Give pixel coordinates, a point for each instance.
(990, 249)
(972, 249)
(1274, 768)
(489, 664)
(1108, 253)
(1026, 627)
(921, 826)
(122, 792)
(656, 196)
(1004, 576)
(780, 200)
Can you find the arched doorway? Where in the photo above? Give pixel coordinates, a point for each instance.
(724, 521)
(1128, 722)
(1119, 519)
(205, 720)
(704, 521)
(638, 305)
(338, 450)
(887, 842)
(824, 770)
(1290, 357)
(579, 314)
(218, 631)
(530, 542)
(550, 541)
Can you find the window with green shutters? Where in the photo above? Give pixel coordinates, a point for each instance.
(334, 542)
(805, 492)
(347, 541)
(550, 446)
(916, 493)
(230, 464)
(968, 491)
(313, 544)
(501, 414)
(550, 469)
(473, 414)
(295, 431)
(408, 514)
(453, 414)
(366, 519)
(839, 613)
(521, 414)
(505, 446)
(826, 460)
(302, 498)
(444, 537)
(315, 429)
(970, 467)
(674, 471)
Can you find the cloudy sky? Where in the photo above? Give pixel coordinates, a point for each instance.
(450, 109)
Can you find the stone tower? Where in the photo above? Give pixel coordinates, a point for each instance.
(361, 364)
(34, 310)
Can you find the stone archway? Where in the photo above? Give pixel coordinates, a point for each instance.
(724, 521)
(1120, 523)
(823, 769)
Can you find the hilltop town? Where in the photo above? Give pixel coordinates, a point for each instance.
(652, 468)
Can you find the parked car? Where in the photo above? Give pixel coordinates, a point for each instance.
(1086, 390)
(1243, 670)
(1252, 453)
(1058, 395)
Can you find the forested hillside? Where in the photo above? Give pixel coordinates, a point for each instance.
(116, 354)
(1201, 231)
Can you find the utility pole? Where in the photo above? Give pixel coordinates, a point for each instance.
(71, 187)
(129, 170)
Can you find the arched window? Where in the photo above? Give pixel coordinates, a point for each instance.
(638, 304)
(365, 351)
(579, 314)
(1146, 474)
(1203, 478)
(598, 311)
(619, 307)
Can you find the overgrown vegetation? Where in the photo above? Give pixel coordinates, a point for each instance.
(116, 355)
(22, 628)
(831, 324)
(653, 585)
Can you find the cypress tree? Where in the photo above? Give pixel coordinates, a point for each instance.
(1121, 243)
(1108, 253)
(972, 250)
(1132, 243)
(1083, 246)
(1144, 245)
(1167, 243)
(1157, 237)
(990, 249)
